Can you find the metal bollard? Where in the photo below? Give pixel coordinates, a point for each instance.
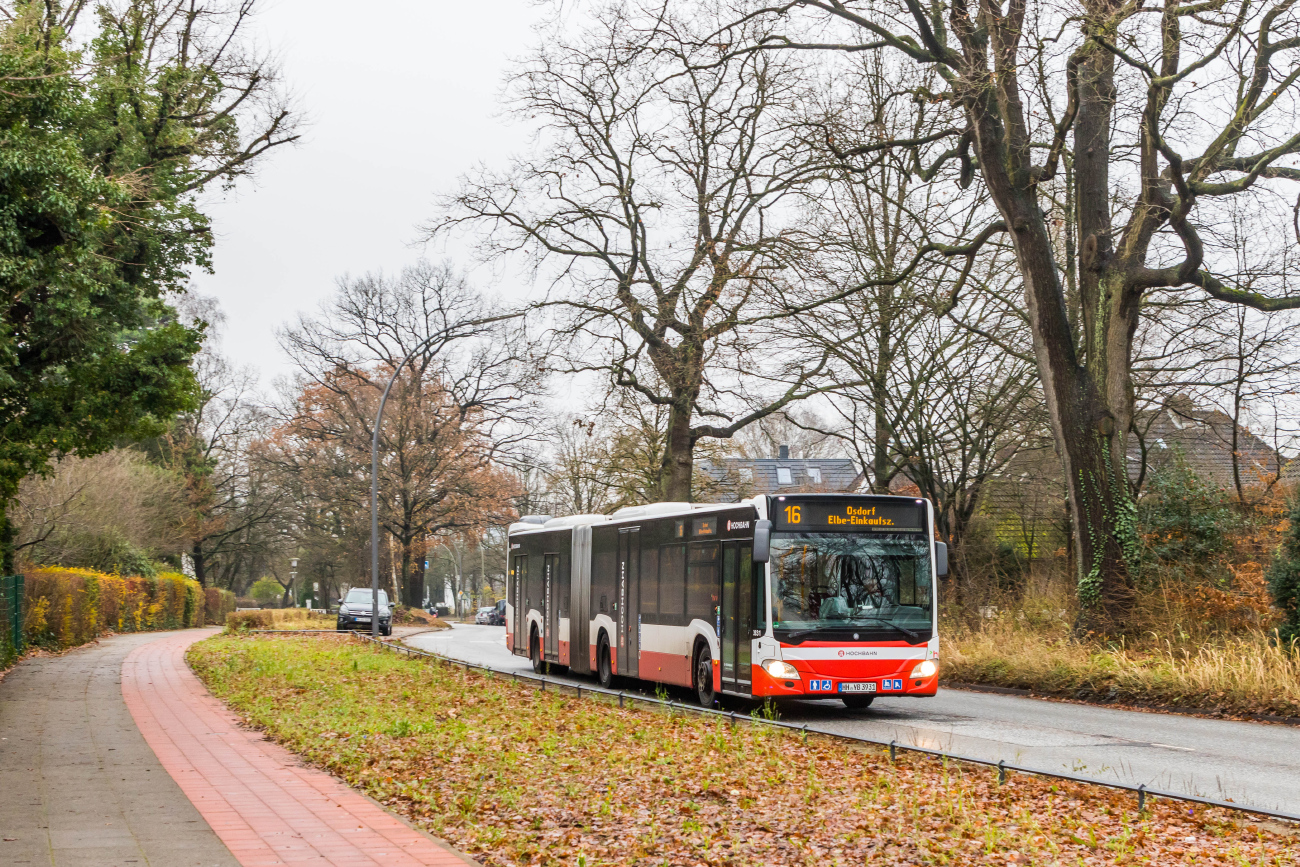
(620, 699)
(1002, 771)
(892, 752)
(733, 719)
(1142, 797)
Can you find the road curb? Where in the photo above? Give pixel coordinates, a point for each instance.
(1146, 707)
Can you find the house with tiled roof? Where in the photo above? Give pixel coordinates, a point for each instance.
(1027, 498)
(733, 479)
(1206, 440)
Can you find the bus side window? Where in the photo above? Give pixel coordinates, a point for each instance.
(649, 581)
(760, 599)
(672, 579)
(702, 581)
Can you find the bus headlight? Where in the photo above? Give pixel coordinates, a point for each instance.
(925, 669)
(780, 669)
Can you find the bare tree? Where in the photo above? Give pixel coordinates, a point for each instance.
(211, 448)
(661, 198)
(1161, 114)
(459, 409)
(114, 511)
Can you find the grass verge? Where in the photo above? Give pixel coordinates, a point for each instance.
(1236, 674)
(279, 618)
(513, 775)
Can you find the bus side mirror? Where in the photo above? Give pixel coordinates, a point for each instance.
(941, 558)
(762, 541)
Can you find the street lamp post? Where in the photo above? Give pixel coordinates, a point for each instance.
(445, 334)
(293, 579)
(374, 486)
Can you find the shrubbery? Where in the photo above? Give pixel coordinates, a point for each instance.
(260, 619)
(219, 603)
(1284, 578)
(66, 607)
(277, 618)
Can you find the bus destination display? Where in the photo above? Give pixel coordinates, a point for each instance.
(819, 516)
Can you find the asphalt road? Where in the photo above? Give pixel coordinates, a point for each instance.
(1249, 763)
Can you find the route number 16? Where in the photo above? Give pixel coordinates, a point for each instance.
(792, 515)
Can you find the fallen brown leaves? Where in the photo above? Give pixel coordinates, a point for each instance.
(513, 775)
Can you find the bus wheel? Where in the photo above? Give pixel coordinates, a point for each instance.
(604, 672)
(704, 676)
(857, 702)
(535, 651)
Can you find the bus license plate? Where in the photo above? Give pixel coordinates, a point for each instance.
(858, 687)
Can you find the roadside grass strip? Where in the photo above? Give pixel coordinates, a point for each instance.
(1245, 674)
(514, 775)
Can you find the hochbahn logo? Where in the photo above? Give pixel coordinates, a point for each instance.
(856, 652)
(737, 525)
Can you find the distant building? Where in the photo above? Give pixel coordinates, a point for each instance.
(1027, 498)
(1203, 439)
(733, 479)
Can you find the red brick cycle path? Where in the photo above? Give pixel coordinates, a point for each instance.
(264, 804)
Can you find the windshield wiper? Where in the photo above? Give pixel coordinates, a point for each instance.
(903, 629)
(803, 633)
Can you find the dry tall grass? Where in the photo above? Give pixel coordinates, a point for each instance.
(1236, 673)
(278, 618)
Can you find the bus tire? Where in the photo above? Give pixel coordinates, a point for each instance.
(703, 675)
(535, 651)
(604, 671)
(857, 702)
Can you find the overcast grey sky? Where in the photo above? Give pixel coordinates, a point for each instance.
(401, 96)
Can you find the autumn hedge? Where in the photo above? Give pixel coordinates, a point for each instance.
(64, 607)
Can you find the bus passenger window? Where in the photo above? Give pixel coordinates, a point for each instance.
(650, 581)
(672, 578)
(702, 586)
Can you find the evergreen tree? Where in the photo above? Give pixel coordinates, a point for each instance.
(1284, 577)
(104, 149)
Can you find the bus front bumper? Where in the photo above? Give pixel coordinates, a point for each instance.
(812, 684)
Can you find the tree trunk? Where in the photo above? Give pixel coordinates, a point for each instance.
(200, 565)
(412, 588)
(679, 452)
(1089, 399)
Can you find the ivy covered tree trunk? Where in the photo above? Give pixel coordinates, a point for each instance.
(1085, 376)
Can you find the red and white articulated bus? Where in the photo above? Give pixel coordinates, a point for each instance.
(797, 596)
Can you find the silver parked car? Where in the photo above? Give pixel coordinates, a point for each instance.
(483, 617)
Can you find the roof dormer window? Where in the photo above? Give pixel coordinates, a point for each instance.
(815, 474)
(783, 476)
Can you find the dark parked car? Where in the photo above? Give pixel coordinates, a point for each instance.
(498, 615)
(354, 611)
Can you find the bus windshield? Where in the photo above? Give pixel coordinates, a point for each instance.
(827, 584)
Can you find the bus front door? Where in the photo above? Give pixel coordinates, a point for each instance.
(629, 594)
(551, 611)
(737, 605)
(520, 575)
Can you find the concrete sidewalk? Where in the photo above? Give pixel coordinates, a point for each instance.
(115, 754)
(78, 784)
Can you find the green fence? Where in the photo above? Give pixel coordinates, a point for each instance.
(11, 618)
